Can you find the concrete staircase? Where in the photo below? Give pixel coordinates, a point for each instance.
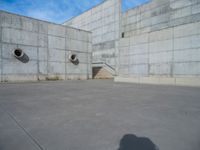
(102, 70)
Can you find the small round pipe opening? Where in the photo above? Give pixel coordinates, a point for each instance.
(73, 57)
(18, 53)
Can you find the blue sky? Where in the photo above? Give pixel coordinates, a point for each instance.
(56, 11)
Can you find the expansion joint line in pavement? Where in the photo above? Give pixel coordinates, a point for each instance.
(25, 131)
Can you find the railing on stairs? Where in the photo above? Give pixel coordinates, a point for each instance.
(106, 66)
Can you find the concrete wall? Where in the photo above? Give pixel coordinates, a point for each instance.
(47, 45)
(103, 21)
(161, 39)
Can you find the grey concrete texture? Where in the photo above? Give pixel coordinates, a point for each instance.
(48, 47)
(161, 39)
(103, 22)
(96, 114)
(157, 15)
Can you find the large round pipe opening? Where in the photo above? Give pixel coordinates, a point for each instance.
(18, 53)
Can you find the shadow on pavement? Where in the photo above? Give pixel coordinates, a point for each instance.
(132, 142)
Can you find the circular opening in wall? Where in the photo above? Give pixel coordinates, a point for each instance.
(18, 53)
(73, 57)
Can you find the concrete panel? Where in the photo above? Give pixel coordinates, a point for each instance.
(188, 55)
(43, 27)
(138, 59)
(160, 69)
(124, 71)
(56, 42)
(180, 3)
(42, 40)
(182, 12)
(56, 30)
(124, 60)
(161, 9)
(77, 45)
(19, 78)
(56, 55)
(183, 43)
(141, 70)
(187, 30)
(196, 8)
(139, 49)
(42, 53)
(43, 68)
(160, 19)
(71, 33)
(30, 51)
(14, 66)
(29, 24)
(6, 19)
(12, 21)
(76, 69)
(161, 35)
(84, 36)
(195, 41)
(162, 57)
(160, 46)
(16, 36)
(187, 69)
(7, 51)
(55, 68)
(143, 38)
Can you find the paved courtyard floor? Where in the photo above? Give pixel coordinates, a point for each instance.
(98, 115)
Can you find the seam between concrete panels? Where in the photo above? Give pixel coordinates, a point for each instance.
(35, 60)
(38, 65)
(172, 65)
(159, 6)
(1, 79)
(149, 10)
(47, 55)
(148, 47)
(65, 53)
(88, 60)
(170, 11)
(36, 32)
(129, 59)
(162, 28)
(45, 47)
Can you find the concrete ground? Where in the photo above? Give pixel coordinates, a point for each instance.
(98, 115)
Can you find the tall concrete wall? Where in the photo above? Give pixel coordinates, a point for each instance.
(103, 21)
(47, 45)
(161, 43)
